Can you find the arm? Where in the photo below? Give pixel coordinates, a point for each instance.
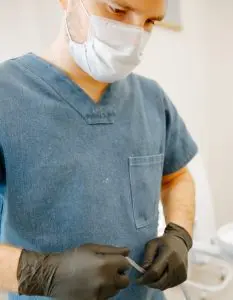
(166, 257)
(80, 272)
(9, 258)
(178, 199)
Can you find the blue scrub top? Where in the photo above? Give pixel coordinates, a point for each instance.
(79, 172)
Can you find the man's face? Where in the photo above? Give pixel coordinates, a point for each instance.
(142, 13)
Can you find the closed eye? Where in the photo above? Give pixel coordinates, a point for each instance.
(157, 19)
(116, 10)
(151, 22)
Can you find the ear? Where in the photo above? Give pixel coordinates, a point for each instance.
(64, 4)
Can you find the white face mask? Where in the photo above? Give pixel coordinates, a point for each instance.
(112, 49)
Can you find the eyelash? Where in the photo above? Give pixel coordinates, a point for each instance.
(122, 12)
(151, 22)
(116, 11)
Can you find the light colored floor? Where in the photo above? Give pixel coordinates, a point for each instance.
(209, 274)
(176, 294)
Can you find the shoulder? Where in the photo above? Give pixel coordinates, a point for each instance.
(148, 92)
(146, 85)
(152, 92)
(14, 84)
(7, 80)
(10, 73)
(7, 67)
(13, 77)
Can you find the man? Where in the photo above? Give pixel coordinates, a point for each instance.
(85, 148)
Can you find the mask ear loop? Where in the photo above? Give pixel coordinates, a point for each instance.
(69, 35)
(85, 44)
(67, 29)
(84, 8)
(66, 23)
(66, 17)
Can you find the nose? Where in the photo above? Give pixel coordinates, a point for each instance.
(141, 21)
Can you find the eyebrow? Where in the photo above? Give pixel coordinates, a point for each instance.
(158, 18)
(120, 4)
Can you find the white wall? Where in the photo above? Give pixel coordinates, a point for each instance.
(27, 25)
(219, 39)
(194, 67)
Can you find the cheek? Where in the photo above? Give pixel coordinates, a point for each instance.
(78, 25)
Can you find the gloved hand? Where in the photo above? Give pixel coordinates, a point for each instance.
(90, 272)
(166, 259)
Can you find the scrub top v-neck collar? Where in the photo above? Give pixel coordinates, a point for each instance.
(103, 112)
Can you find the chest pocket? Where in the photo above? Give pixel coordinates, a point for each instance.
(145, 183)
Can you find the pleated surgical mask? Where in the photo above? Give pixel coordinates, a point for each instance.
(112, 49)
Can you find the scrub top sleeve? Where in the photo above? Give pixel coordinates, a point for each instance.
(2, 168)
(1, 205)
(180, 147)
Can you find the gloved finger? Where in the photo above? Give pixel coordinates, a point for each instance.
(122, 282)
(162, 284)
(150, 251)
(177, 276)
(120, 262)
(157, 269)
(105, 249)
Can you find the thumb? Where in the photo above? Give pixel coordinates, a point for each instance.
(151, 249)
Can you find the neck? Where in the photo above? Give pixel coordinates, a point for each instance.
(58, 55)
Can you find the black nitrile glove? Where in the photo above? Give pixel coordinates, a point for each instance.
(91, 272)
(166, 259)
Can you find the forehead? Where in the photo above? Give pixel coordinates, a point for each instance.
(157, 7)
